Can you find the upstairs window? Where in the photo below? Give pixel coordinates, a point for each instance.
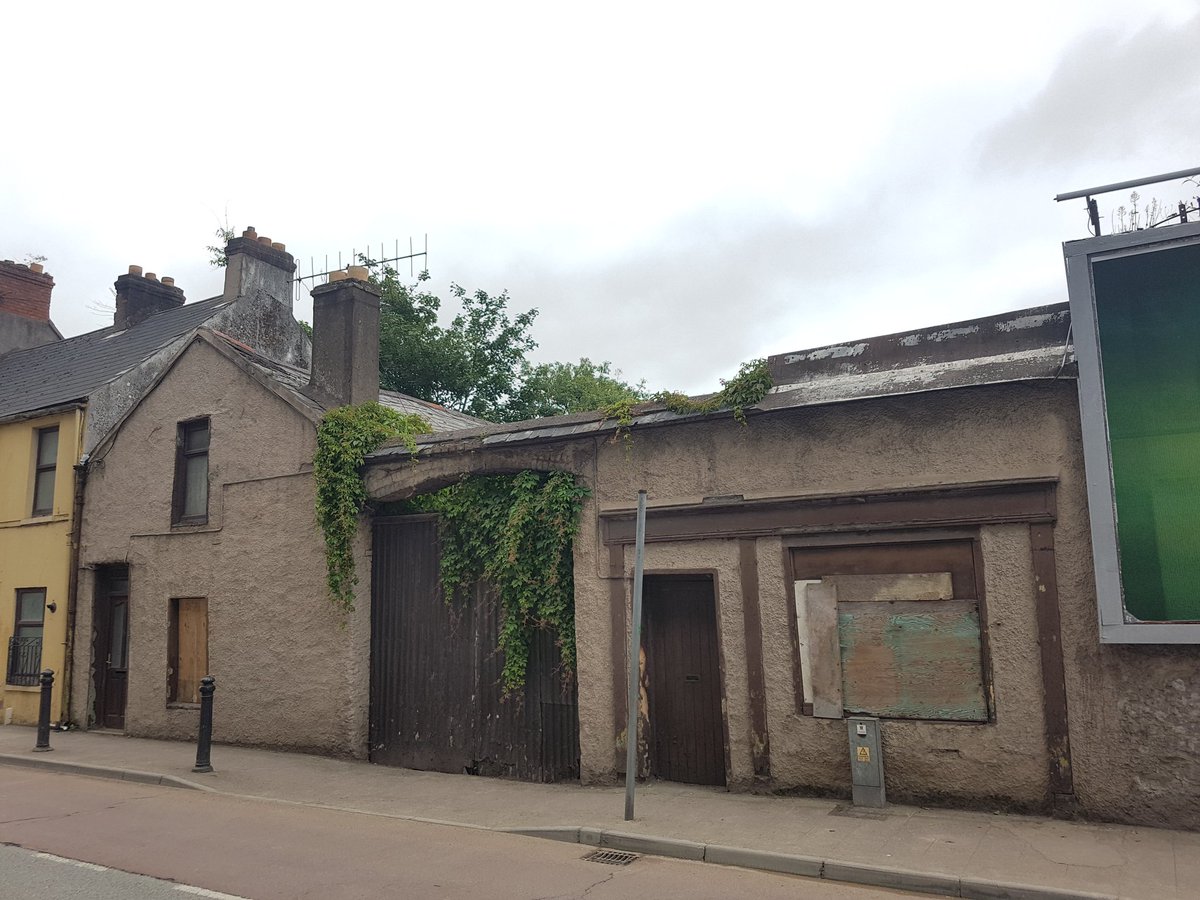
(190, 506)
(45, 464)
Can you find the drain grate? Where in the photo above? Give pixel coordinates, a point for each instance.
(611, 857)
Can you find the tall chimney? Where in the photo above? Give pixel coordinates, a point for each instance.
(141, 296)
(25, 290)
(254, 263)
(345, 355)
(25, 307)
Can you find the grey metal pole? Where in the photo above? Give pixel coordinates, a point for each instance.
(635, 660)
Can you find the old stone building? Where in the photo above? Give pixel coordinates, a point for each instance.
(200, 552)
(899, 529)
(59, 397)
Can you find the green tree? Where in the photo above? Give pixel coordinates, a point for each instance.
(474, 364)
(552, 389)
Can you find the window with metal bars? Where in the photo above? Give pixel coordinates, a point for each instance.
(25, 646)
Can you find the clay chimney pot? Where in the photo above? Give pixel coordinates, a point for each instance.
(150, 276)
(357, 273)
(168, 280)
(36, 268)
(339, 275)
(265, 240)
(135, 270)
(278, 246)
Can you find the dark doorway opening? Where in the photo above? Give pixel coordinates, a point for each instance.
(683, 673)
(110, 645)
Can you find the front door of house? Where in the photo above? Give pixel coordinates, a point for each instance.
(111, 645)
(687, 733)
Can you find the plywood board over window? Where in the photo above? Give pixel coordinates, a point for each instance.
(187, 648)
(891, 630)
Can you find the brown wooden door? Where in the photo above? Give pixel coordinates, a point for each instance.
(686, 734)
(437, 702)
(111, 648)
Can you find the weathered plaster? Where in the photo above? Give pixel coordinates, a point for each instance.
(288, 674)
(1133, 711)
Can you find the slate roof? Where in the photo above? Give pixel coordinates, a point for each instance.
(1025, 345)
(295, 380)
(71, 369)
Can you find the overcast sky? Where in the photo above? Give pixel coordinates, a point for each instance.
(676, 187)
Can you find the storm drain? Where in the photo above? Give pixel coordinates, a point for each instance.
(611, 857)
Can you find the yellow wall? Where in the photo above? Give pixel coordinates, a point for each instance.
(35, 552)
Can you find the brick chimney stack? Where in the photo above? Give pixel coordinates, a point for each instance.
(345, 355)
(25, 307)
(254, 263)
(25, 290)
(141, 296)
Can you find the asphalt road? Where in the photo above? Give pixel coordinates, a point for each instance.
(197, 843)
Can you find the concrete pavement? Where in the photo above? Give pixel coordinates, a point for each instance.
(950, 852)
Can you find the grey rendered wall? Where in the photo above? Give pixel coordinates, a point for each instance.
(1134, 711)
(288, 674)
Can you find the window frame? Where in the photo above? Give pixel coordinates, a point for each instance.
(961, 554)
(41, 469)
(182, 456)
(18, 624)
(1117, 626)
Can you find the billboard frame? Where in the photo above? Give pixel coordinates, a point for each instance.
(1117, 626)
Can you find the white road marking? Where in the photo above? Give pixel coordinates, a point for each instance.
(186, 888)
(204, 892)
(91, 867)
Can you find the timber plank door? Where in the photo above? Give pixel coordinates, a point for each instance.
(437, 702)
(111, 645)
(687, 733)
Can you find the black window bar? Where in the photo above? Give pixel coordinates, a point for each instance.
(24, 660)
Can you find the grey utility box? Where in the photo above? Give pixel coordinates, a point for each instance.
(866, 761)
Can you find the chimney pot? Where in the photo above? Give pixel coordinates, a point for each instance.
(141, 296)
(339, 275)
(357, 273)
(254, 265)
(280, 247)
(168, 280)
(24, 293)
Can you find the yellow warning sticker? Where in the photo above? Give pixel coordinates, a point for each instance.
(864, 754)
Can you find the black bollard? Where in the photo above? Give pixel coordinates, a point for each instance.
(43, 735)
(208, 686)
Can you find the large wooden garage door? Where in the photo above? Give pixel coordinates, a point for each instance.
(687, 735)
(436, 699)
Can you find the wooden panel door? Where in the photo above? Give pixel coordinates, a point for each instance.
(111, 645)
(686, 734)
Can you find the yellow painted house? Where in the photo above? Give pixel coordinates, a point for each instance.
(37, 457)
(58, 399)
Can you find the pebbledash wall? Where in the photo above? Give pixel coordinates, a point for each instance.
(288, 673)
(1111, 731)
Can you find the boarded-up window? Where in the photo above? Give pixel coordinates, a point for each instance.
(891, 630)
(187, 648)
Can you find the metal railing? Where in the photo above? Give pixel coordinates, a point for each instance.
(24, 660)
